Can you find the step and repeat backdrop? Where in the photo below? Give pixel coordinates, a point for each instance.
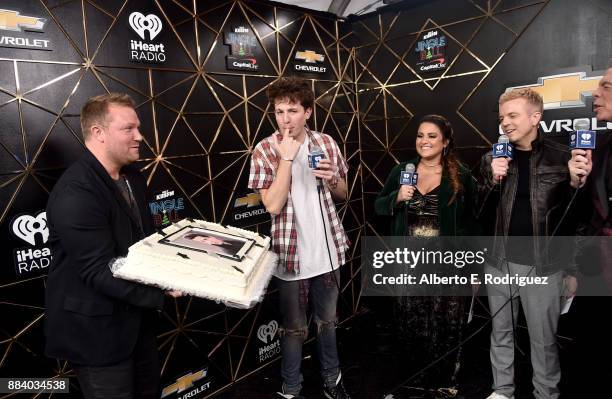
(198, 71)
(455, 58)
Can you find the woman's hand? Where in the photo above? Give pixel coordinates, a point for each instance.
(405, 193)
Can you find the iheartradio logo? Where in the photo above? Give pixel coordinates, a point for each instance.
(585, 136)
(266, 332)
(26, 227)
(140, 24)
(499, 147)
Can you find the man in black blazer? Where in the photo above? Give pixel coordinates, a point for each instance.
(100, 324)
(593, 170)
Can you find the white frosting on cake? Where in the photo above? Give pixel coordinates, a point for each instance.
(238, 283)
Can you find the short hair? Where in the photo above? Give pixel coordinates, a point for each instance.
(532, 97)
(295, 90)
(95, 110)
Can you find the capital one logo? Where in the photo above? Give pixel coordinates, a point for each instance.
(266, 332)
(140, 24)
(26, 227)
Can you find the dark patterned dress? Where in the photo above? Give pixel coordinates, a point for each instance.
(430, 326)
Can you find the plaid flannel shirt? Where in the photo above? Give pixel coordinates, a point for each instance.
(264, 163)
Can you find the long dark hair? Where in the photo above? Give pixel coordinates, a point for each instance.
(450, 165)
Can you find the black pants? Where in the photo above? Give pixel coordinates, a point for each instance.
(134, 377)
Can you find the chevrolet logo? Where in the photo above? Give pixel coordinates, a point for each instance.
(250, 200)
(309, 56)
(11, 20)
(184, 383)
(564, 91)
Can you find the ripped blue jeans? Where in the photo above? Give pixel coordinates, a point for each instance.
(323, 296)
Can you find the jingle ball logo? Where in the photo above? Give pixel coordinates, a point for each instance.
(35, 258)
(431, 52)
(145, 50)
(242, 46)
(166, 209)
(266, 333)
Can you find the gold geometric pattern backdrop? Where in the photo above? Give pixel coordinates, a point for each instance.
(393, 94)
(200, 122)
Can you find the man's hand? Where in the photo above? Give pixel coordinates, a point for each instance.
(288, 147)
(570, 285)
(405, 193)
(499, 168)
(326, 171)
(580, 166)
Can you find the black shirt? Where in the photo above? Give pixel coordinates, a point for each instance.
(126, 192)
(521, 221)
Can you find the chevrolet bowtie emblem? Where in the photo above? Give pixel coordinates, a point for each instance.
(11, 20)
(250, 200)
(184, 383)
(567, 90)
(309, 56)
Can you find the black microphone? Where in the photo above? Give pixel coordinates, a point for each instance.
(409, 176)
(315, 155)
(503, 149)
(582, 137)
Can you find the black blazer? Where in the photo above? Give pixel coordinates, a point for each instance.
(93, 318)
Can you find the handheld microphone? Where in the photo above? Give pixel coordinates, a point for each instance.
(316, 154)
(503, 148)
(409, 176)
(582, 137)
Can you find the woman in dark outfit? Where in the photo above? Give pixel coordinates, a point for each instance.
(441, 204)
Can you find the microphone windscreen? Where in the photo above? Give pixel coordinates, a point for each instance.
(582, 124)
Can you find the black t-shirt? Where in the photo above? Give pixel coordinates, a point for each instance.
(521, 220)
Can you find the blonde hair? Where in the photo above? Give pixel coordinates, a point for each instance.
(532, 97)
(95, 110)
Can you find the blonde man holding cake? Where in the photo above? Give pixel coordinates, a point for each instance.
(102, 325)
(299, 173)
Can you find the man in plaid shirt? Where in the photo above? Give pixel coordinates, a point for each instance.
(306, 232)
